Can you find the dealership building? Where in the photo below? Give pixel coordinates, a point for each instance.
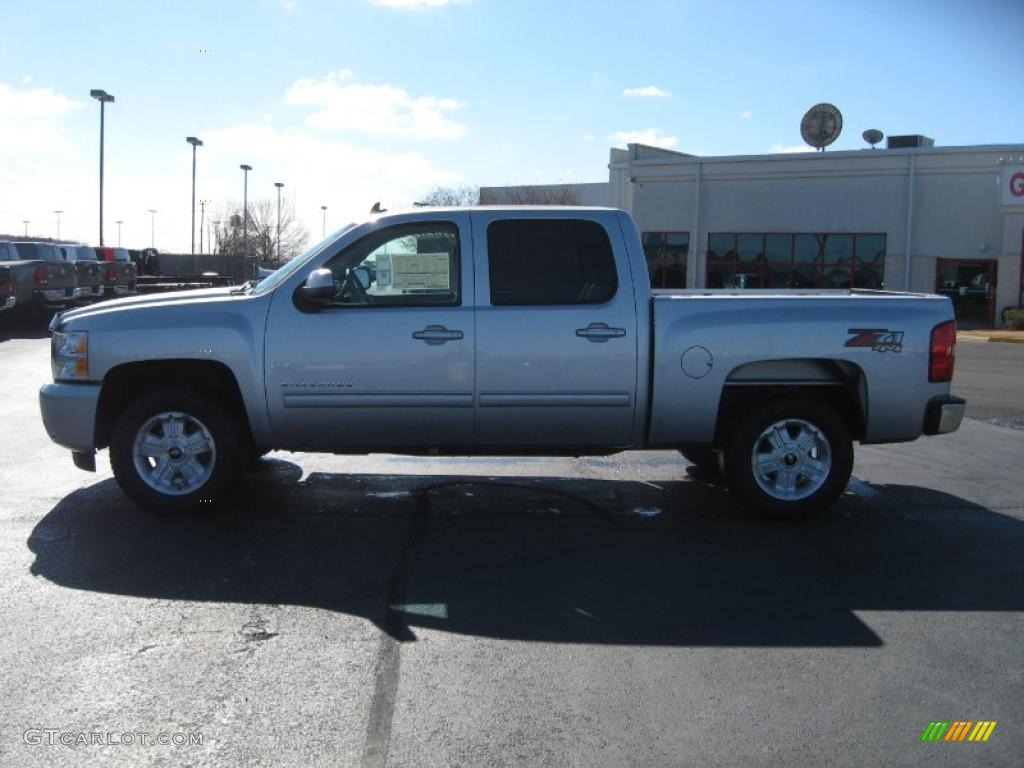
(911, 216)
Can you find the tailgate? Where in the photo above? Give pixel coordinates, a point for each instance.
(88, 273)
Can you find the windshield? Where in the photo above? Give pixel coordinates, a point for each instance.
(284, 272)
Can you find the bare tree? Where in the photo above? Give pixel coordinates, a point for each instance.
(546, 194)
(262, 231)
(453, 196)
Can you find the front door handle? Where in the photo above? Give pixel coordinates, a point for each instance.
(600, 332)
(437, 334)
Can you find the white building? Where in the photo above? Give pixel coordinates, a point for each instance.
(946, 219)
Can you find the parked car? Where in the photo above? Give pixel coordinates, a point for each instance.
(511, 331)
(7, 298)
(43, 282)
(88, 269)
(120, 275)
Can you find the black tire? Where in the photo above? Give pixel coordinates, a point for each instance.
(223, 465)
(793, 412)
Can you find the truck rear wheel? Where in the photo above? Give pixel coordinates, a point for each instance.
(175, 451)
(790, 458)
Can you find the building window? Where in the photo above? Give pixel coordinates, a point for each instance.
(780, 260)
(666, 254)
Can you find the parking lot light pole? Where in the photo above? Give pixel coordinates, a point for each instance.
(26, 223)
(245, 216)
(195, 143)
(58, 223)
(102, 97)
(152, 228)
(324, 227)
(119, 222)
(202, 223)
(278, 184)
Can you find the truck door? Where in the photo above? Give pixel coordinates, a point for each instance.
(556, 350)
(389, 362)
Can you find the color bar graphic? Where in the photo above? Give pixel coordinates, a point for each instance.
(982, 730)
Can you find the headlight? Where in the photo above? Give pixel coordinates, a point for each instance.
(69, 355)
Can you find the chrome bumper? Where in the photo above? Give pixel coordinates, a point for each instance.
(944, 414)
(55, 296)
(69, 414)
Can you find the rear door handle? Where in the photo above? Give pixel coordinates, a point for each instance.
(600, 332)
(437, 334)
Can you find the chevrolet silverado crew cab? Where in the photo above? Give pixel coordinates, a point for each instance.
(515, 331)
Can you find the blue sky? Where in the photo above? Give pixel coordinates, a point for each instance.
(352, 101)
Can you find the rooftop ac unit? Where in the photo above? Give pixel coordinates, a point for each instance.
(912, 140)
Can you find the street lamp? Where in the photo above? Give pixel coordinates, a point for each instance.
(195, 143)
(152, 228)
(102, 97)
(245, 216)
(26, 223)
(119, 222)
(58, 223)
(324, 209)
(278, 184)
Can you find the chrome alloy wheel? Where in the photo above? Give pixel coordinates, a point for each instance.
(791, 459)
(174, 453)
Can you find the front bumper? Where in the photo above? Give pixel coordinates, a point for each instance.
(69, 414)
(944, 414)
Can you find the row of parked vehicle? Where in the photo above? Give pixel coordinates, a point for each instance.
(43, 277)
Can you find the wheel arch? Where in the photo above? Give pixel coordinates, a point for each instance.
(838, 383)
(125, 382)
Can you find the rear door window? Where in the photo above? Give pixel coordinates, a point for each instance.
(544, 262)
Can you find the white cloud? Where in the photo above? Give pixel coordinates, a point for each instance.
(289, 5)
(26, 79)
(343, 105)
(746, 114)
(646, 92)
(55, 168)
(417, 4)
(651, 136)
(32, 121)
(589, 137)
(779, 149)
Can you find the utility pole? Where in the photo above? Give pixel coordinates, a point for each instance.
(245, 219)
(195, 143)
(278, 184)
(202, 220)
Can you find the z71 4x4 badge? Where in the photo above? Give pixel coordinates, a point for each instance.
(878, 339)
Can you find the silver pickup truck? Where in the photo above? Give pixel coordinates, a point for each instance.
(513, 331)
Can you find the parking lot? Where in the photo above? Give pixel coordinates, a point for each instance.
(384, 610)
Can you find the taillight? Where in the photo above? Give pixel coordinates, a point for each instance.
(42, 275)
(941, 352)
(111, 274)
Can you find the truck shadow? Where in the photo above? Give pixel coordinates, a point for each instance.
(547, 559)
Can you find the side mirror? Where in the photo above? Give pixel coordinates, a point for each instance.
(362, 274)
(319, 286)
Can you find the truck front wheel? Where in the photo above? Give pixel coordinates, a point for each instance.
(789, 458)
(175, 451)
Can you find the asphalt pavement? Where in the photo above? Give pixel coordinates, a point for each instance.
(385, 610)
